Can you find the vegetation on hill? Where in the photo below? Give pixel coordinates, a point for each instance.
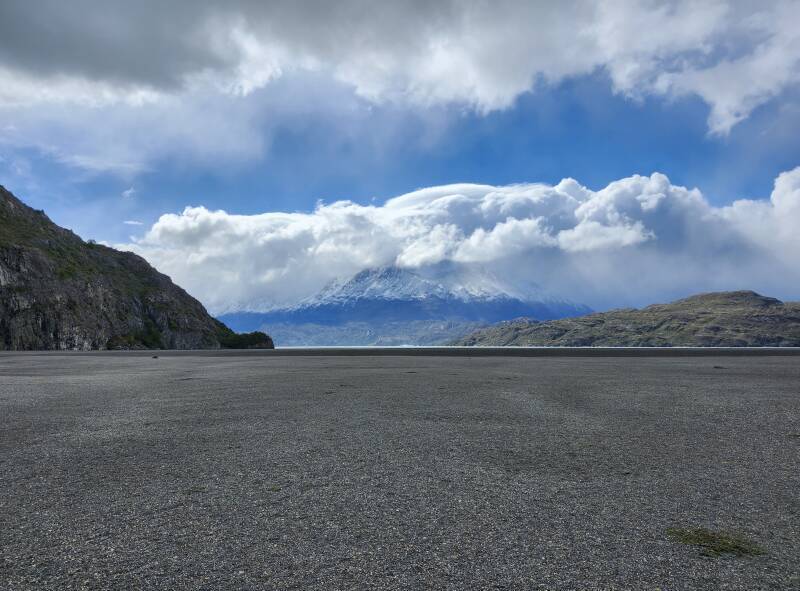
(724, 319)
(59, 292)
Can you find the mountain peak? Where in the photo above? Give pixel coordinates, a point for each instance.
(445, 281)
(383, 283)
(729, 298)
(402, 306)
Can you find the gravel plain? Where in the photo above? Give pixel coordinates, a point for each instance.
(260, 471)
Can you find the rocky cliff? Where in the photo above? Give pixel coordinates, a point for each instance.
(726, 319)
(59, 292)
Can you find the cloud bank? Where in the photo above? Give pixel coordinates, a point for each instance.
(735, 55)
(639, 240)
(62, 60)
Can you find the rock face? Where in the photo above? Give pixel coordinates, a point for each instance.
(726, 319)
(59, 292)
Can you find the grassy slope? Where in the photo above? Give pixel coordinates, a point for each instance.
(741, 318)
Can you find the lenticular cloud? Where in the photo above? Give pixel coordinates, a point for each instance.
(639, 240)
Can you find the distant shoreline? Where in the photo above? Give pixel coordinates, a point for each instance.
(444, 352)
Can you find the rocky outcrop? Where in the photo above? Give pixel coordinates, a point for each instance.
(725, 319)
(59, 292)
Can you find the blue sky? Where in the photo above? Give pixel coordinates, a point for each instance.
(121, 116)
(577, 129)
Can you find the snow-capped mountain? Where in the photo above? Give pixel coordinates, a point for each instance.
(383, 302)
(439, 281)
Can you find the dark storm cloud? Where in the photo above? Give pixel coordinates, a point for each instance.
(158, 44)
(115, 86)
(149, 43)
(734, 55)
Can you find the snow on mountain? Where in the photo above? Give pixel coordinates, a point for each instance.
(401, 304)
(452, 282)
(387, 283)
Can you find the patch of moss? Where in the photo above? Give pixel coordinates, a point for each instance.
(126, 341)
(713, 543)
(149, 338)
(66, 271)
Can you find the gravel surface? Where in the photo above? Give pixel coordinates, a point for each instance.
(269, 472)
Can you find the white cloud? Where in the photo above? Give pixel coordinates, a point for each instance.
(128, 138)
(130, 192)
(640, 239)
(590, 236)
(735, 85)
(132, 223)
(767, 223)
(139, 99)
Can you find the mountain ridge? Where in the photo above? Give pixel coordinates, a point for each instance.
(391, 305)
(58, 292)
(714, 319)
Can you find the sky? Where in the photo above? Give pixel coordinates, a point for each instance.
(614, 153)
